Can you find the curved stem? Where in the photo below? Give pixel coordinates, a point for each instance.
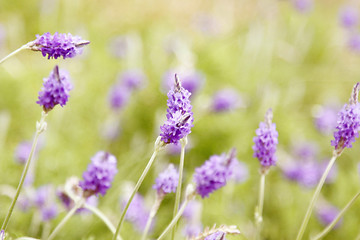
(102, 216)
(65, 219)
(174, 221)
(14, 53)
(315, 197)
(333, 223)
(178, 189)
(40, 127)
(141, 179)
(154, 209)
(260, 206)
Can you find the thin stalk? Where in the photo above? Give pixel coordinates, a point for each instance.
(260, 206)
(333, 223)
(65, 219)
(174, 221)
(154, 209)
(178, 189)
(138, 184)
(45, 230)
(14, 53)
(102, 216)
(40, 127)
(315, 197)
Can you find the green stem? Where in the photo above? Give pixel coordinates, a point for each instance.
(154, 209)
(260, 206)
(40, 127)
(178, 189)
(102, 216)
(141, 179)
(14, 53)
(45, 230)
(333, 223)
(315, 197)
(174, 221)
(65, 219)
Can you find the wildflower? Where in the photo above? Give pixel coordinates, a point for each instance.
(192, 229)
(213, 174)
(55, 90)
(265, 141)
(133, 79)
(303, 6)
(49, 212)
(190, 80)
(239, 171)
(354, 42)
(326, 213)
(325, 119)
(2, 235)
(118, 96)
(137, 213)
(167, 181)
(225, 100)
(179, 115)
(216, 236)
(99, 174)
(349, 17)
(58, 45)
(348, 124)
(22, 151)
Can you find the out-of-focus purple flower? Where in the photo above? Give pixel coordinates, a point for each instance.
(354, 42)
(216, 236)
(99, 174)
(325, 119)
(179, 115)
(192, 210)
(91, 201)
(119, 46)
(58, 45)
(326, 213)
(190, 80)
(303, 6)
(167, 181)
(239, 171)
(22, 151)
(24, 202)
(42, 195)
(55, 90)
(118, 96)
(226, 100)
(348, 124)
(175, 149)
(266, 141)
(137, 213)
(213, 174)
(192, 229)
(349, 17)
(2, 235)
(305, 150)
(49, 212)
(133, 79)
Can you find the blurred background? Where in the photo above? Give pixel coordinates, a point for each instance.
(238, 58)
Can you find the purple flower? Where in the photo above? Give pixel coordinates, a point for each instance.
(225, 100)
(42, 195)
(348, 124)
(349, 17)
(192, 229)
(58, 45)
(326, 213)
(190, 80)
(22, 152)
(213, 174)
(99, 174)
(305, 150)
(55, 90)
(137, 213)
(179, 115)
(303, 6)
(167, 181)
(119, 46)
(354, 42)
(216, 236)
(265, 141)
(49, 212)
(239, 171)
(325, 119)
(193, 211)
(133, 79)
(2, 235)
(118, 96)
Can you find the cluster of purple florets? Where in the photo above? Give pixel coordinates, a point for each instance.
(55, 90)
(58, 45)
(99, 174)
(212, 175)
(179, 115)
(167, 181)
(216, 236)
(266, 141)
(348, 126)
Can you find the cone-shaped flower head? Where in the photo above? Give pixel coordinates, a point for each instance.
(214, 173)
(58, 45)
(179, 115)
(167, 181)
(348, 124)
(99, 174)
(226, 100)
(266, 141)
(55, 90)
